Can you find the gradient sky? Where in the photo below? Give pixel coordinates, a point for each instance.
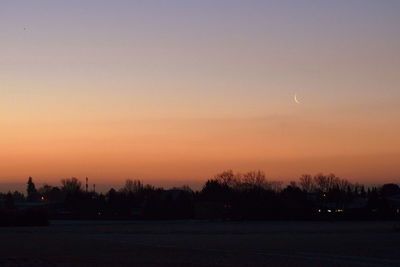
(176, 91)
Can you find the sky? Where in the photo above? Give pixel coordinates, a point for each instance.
(173, 92)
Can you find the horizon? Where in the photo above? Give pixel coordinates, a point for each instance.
(196, 185)
(177, 91)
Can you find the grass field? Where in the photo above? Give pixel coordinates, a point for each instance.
(196, 243)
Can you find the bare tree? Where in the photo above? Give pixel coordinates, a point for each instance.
(255, 178)
(132, 186)
(343, 184)
(72, 185)
(321, 182)
(326, 183)
(228, 178)
(275, 186)
(307, 183)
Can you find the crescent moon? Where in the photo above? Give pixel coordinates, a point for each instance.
(295, 99)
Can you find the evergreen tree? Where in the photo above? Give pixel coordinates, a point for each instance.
(32, 194)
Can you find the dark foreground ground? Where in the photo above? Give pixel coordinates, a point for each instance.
(192, 243)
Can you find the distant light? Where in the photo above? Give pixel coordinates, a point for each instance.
(329, 211)
(319, 210)
(42, 198)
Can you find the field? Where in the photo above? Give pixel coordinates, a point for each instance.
(196, 243)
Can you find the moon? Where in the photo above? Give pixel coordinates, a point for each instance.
(295, 99)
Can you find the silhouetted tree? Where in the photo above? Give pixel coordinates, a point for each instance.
(256, 179)
(18, 196)
(227, 178)
(51, 193)
(32, 194)
(71, 186)
(132, 186)
(390, 190)
(362, 191)
(294, 203)
(306, 183)
(228, 195)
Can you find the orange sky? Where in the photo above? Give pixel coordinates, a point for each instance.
(181, 91)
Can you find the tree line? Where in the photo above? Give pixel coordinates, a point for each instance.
(226, 196)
